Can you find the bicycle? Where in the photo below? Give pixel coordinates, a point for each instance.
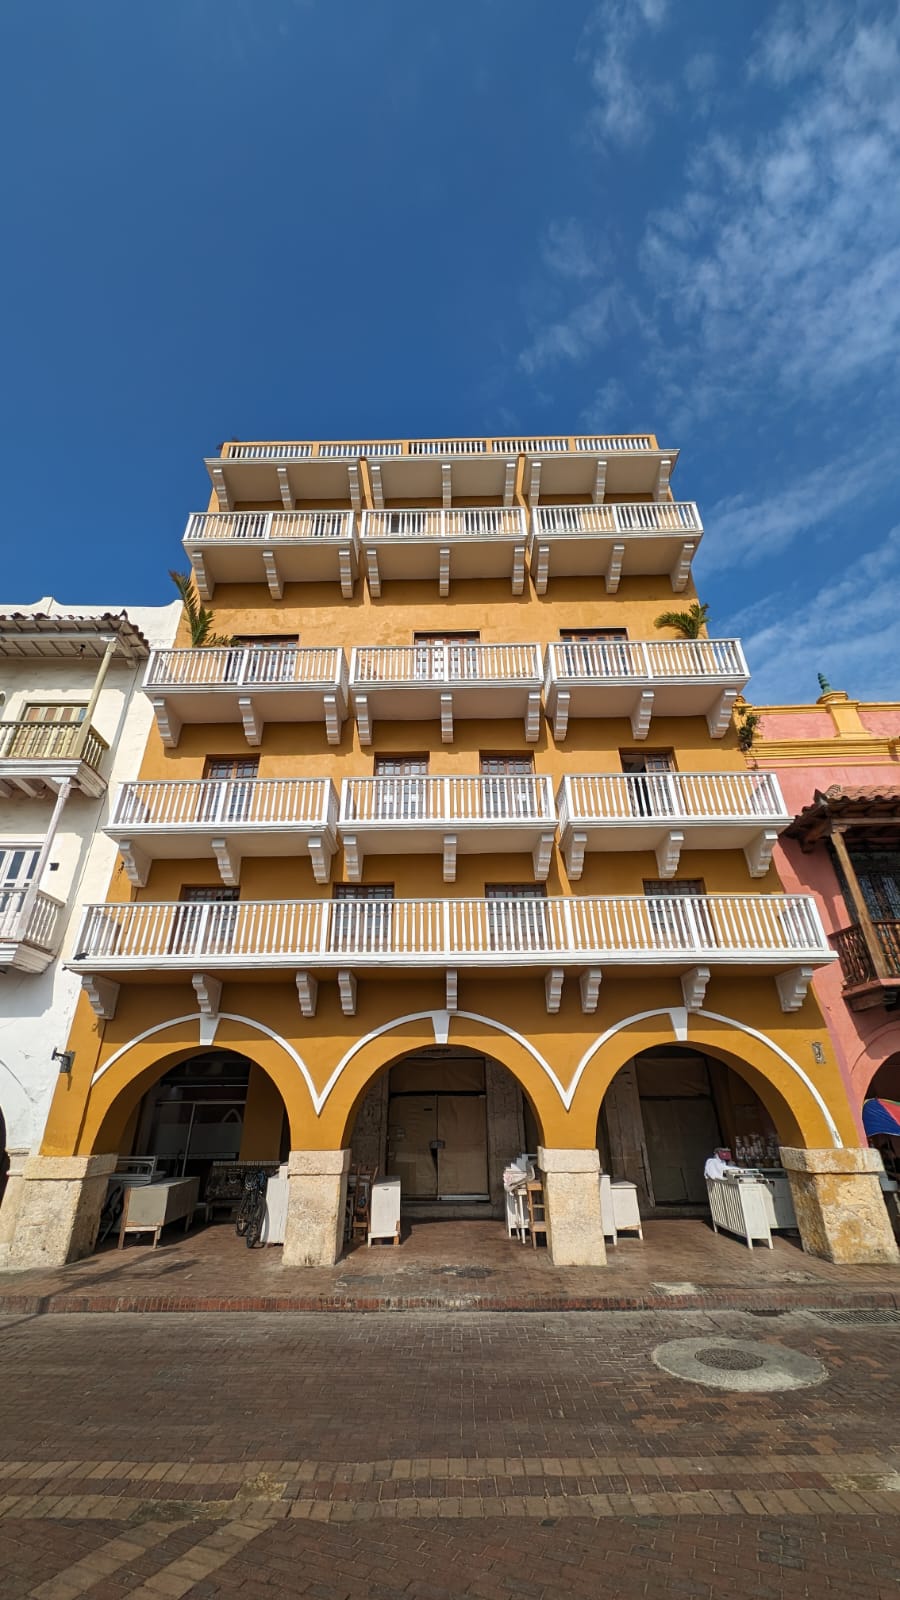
(111, 1215)
(252, 1209)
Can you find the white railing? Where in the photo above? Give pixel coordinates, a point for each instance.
(647, 659)
(568, 930)
(446, 800)
(447, 447)
(614, 441)
(526, 446)
(342, 449)
(614, 516)
(205, 803)
(51, 741)
(268, 452)
(445, 663)
(482, 522)
(685, 796)
(43, 922)
(267, 527)
(239, 666)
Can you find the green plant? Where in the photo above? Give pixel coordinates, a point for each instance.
(824, 685)
(746, 729)
(199, 620)
(689, 623)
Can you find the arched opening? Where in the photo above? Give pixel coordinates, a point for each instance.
(214, 1106)
(668, 1109)
(885, 1085)
(446, 1120)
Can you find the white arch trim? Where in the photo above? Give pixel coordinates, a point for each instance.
(677, 1018)
(226, 1016)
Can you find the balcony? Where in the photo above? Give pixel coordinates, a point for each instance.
(438, 545)
(275, 547)
(29, 938)
(183, 819)
(278, 683)
(36, 757)
(687, 935)
(447, 816)
(614, 540)
(870, 963)
(423, 682)
(669, 812)
(416, 471)
(643, 679)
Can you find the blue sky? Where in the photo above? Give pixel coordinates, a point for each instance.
(334, 218)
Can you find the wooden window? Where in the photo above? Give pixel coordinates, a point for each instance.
(516, 915)
(674, 927)
(511, 766)
(239, 774)
(198, 926)
(400, 766)
(441, 655)
(52, 711)
(592, 635)
(361, 918)
(231, 767)
(647, 760)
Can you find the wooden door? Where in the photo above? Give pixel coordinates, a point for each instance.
(412, 1132)
(681, 1134)
(462, 1146)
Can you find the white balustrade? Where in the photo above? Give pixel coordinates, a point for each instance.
(267, 527)
(671, 796)
(533, 446)
(647, 660)
(572, 930)
(449, 662)
(447, 447)
(238, 666)
(43, 921)
(343, 449)
(604, 442)
(445, 800)
(481, 522)
(615, 516)
(206, 803)
(268, 452)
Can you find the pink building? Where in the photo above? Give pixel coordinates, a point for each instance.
(838, 763)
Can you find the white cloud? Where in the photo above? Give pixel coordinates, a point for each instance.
(567, 252)
(622, 112)
(847, 630)
(573, 337)
(606, 406)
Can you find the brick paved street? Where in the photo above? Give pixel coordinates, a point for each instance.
(438, 1455)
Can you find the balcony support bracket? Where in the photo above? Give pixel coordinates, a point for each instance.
(353, 488)
(553, 987)
(447, 718)
(719, 719)
(533, 717)
(221, 488)
(574, 849)
(363, 718)
(167, 721)
(284, 484)
(693, 987)
(509, 483)
(589, 984)
(444, 574)
(518, 570)
(228, 862)
(135, 861)
(209, 998)
(452, 989)
(682, 569)
(373, 574)
(253, 727)
(534, 486)
(668, 854)
(353, 858)
(332, 720)
(320, 856)
(792, 987)
(307, 993)
(377, 485)
(347, 991)
(561, 715)
(540, 568)
(614, 569)
(446, 484)
(600, 481)
(275, 582)
(758, 853)
(346, 570)
(205, 587)
(641, 714)
(103, 995)
(541, 856)
(664, 472)
(450, 843)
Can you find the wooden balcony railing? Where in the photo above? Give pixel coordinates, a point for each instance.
(732, 929)
(859, 964)
(51, 741)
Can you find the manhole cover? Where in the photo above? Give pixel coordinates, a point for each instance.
(738, 1364)
(466, 1272)
(729, 1360)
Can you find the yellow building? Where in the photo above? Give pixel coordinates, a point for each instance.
(448, 853)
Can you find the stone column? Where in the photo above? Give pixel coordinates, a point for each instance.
(61, 1198)
(12, 1199)
(572, 1197)
(317, 1197)
(840, 1208)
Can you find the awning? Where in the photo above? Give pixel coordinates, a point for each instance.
(882, 1116)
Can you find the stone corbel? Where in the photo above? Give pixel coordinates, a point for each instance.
(792, 987)
(589, 984)
(641, 714)
(253, 726)
(444, 573)
(540, 567)
(518, 569)
(664, 472)
(307, 993)
(273, 578)
(205, 586)
(377, 485)
(719, 719)
(373, 573)
(534, 486)
(573, 850)
(561, 715)
(553, 987)
(136, 863)
(447, 718)
(320, 854)
(533, 717)
(353, 488)
(347, 992)
(103, 994)
(693, 987)
(451, 985)
(221, 488)
(228, 861)
(332, 718)
(450, 844)
(446, 485)
(167, 721)
(509, 482)
(758, 854)
(614, 568)
(345, 565)
(682, 569)
(668, 854)
(353, 859)
(209, 998)
(284, 484)
(363, 718)
(599, 482)
(541, 856)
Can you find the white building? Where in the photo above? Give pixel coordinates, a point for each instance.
(73, 724)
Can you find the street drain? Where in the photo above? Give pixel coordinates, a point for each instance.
(738, 1364)
(466, 1272)
(880, 1316)
(729, 1360)
(767, 1311)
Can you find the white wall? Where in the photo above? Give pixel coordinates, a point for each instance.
(36, 1009)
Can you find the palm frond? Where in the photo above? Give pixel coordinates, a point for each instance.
(199, 619)
(689, 623)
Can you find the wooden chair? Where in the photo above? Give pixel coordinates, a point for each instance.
(537, 1210)
(360, 1209)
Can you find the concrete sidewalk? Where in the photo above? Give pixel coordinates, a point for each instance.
(451, 1266)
